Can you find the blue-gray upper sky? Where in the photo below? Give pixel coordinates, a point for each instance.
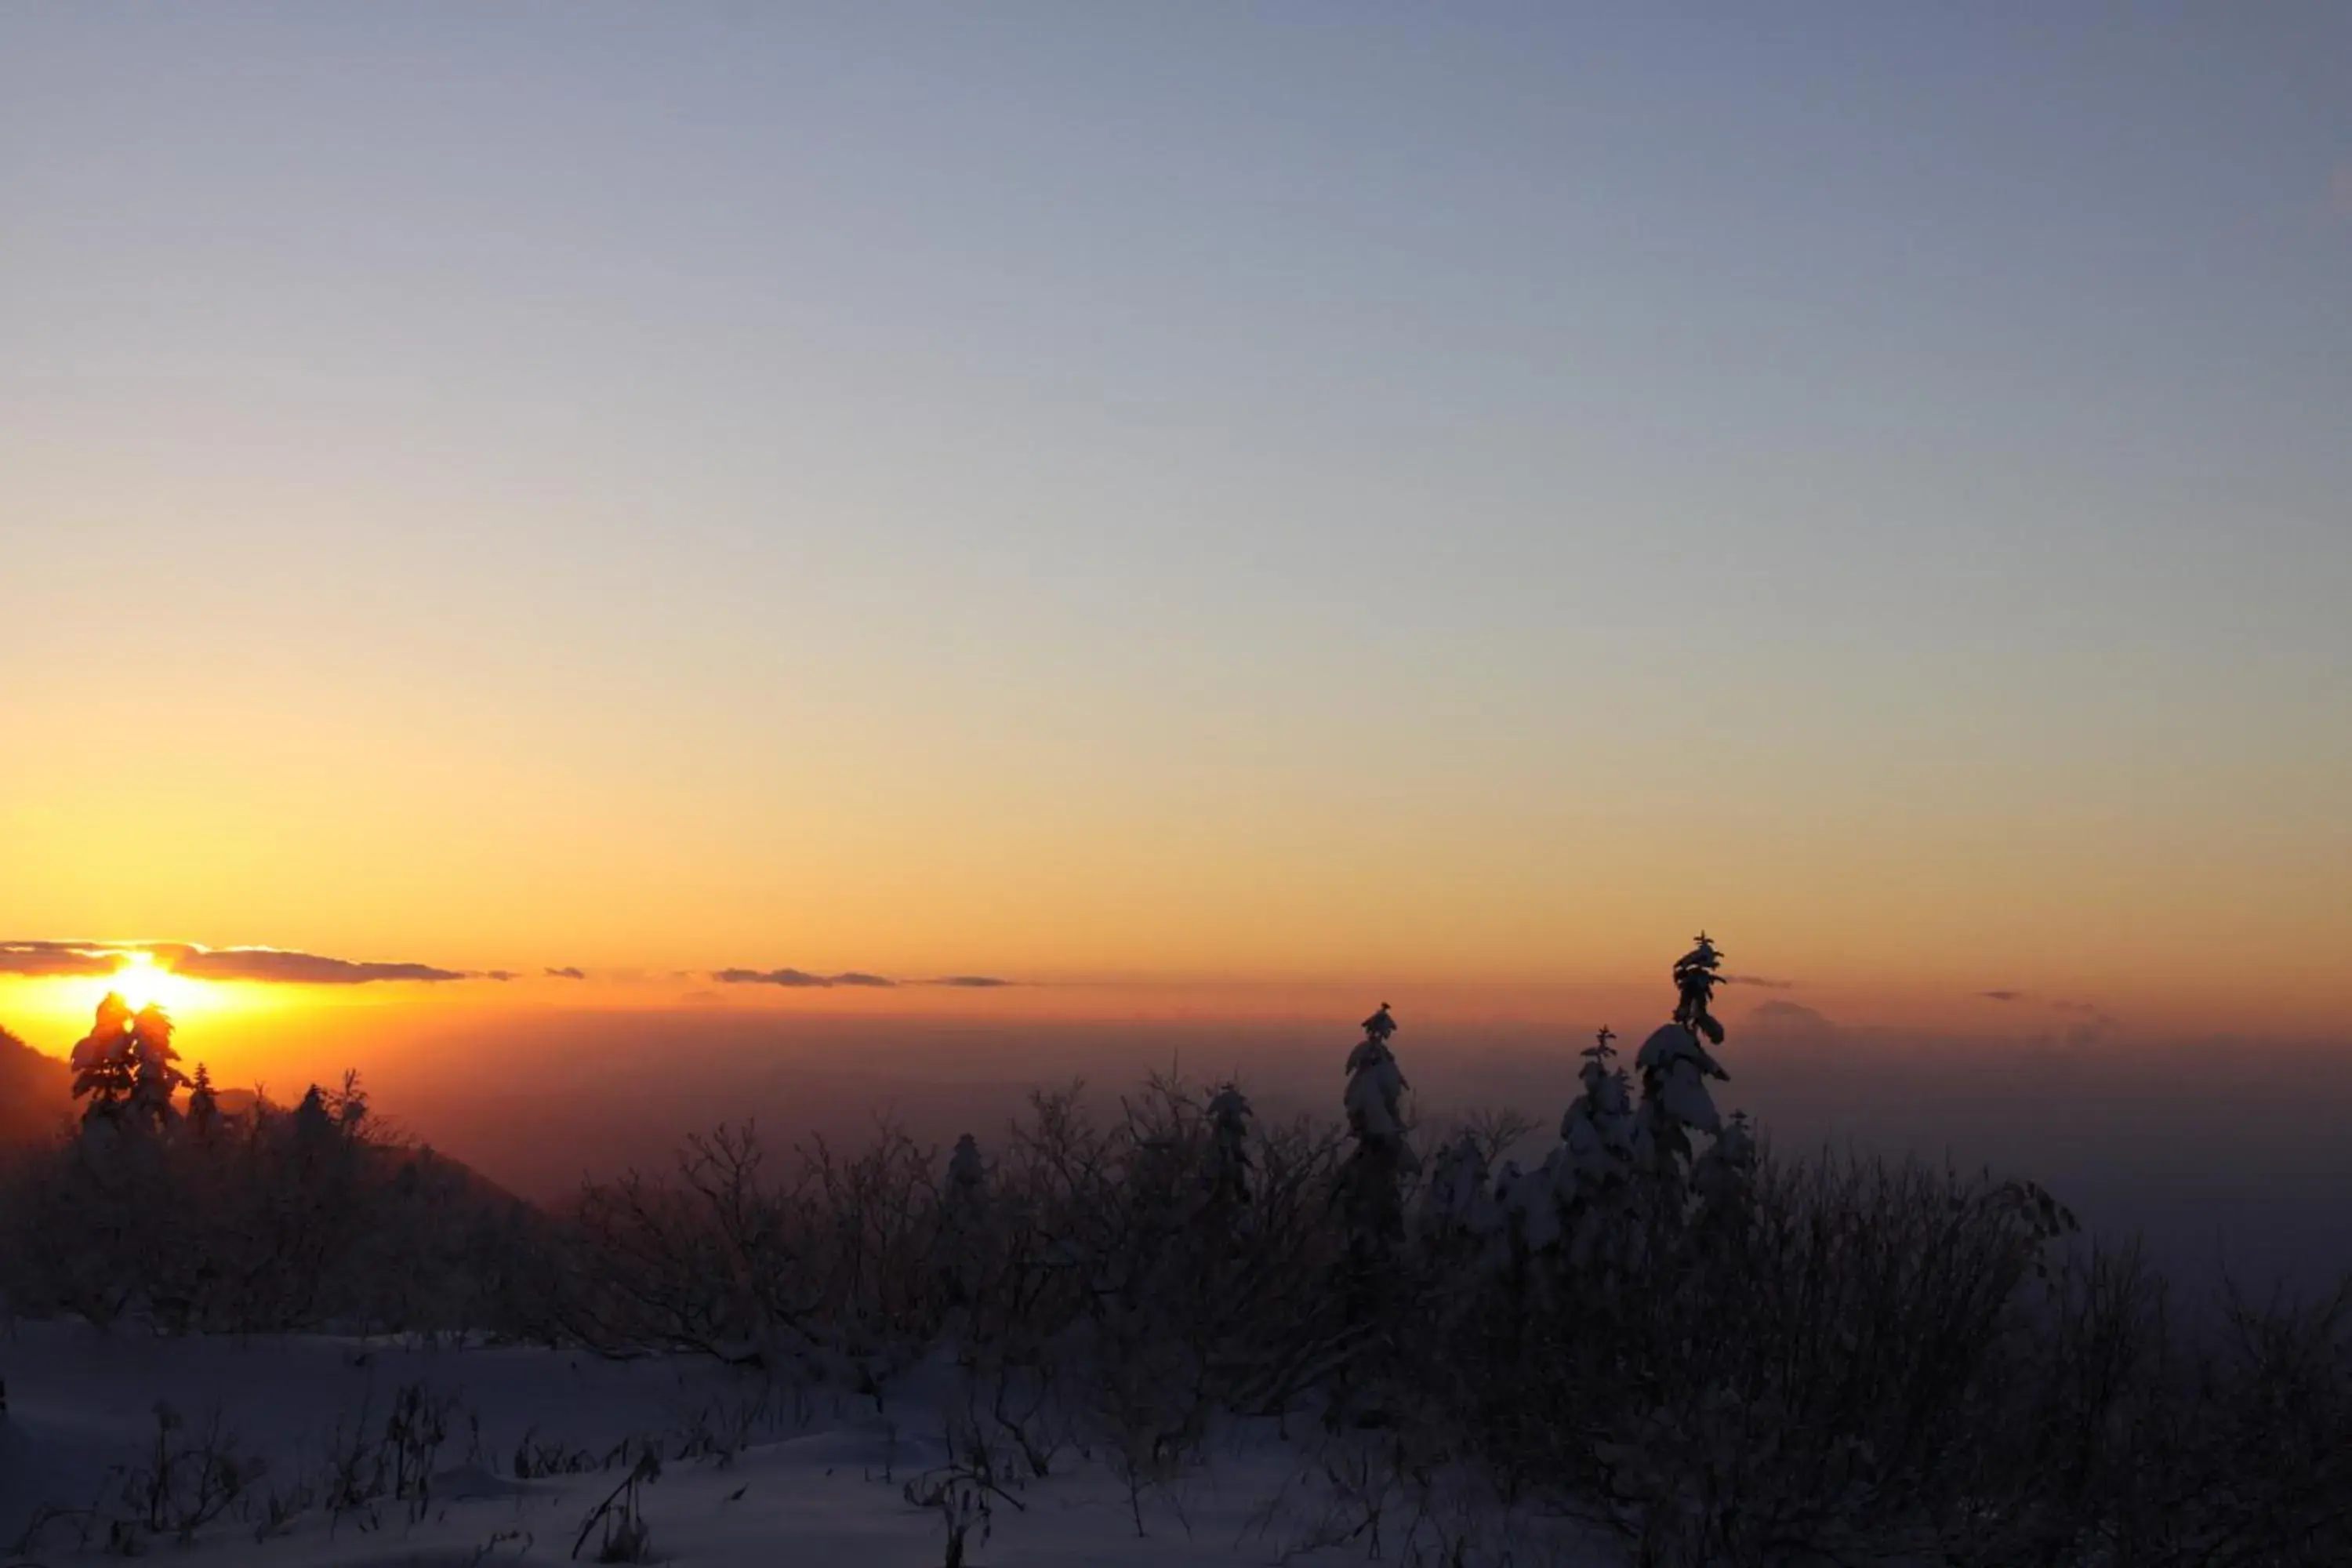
(1431, 449)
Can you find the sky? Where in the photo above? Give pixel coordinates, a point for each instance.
(1198, 510)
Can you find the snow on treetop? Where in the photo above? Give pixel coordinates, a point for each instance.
(1670, 1043)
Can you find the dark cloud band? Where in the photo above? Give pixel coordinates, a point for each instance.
(45, 958)
(266, 965)
(801, 979)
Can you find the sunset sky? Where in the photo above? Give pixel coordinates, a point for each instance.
(1275, 506)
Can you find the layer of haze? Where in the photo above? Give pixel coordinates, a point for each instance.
(1221, 516)
(2220, 1153)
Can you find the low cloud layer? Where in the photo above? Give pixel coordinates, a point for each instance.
(282, 966)
(791, 979)
(801, 979)
(42, 957)
(266, 965)
(46, 958)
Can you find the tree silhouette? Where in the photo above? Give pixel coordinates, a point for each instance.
(1674, 1066)
(204, 1106)
(105, 1064)
(1695, 981)
(154, 1078)
(1229, 1159)
(1375, 1171)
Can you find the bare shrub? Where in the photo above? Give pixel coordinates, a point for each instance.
(626, 1536)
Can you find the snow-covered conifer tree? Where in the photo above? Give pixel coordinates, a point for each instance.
(1724, 1175)
(1228, 1176)
(312, 1125)
(1458, 1204)
(963, 1220)
(1674, 1067)
(1597, 1139)
(1694, 983)
(155, 1077)
(967, 1173)
(204, 1106)
(104, 1065)
(1531, 1206)
(1598, 1125)
(1375, 1171)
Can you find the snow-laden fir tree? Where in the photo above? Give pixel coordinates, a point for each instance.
(1598, 1126)
(313, 1128)
(967, 1174)
(155, 1077)
(1694, 983)
(1674, 1067)
(963, 1221)
(204, 1106)
(1531, 1207)
(1373, 1176)
(1458, 1211)
(1228, 1175)
(1595, 1167)
(105, 1067)
(1724, 1176)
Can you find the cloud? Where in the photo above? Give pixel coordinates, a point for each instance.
(1760, 980)
(2001, 996)
(793, 979)
(41, 958)
(801, 979)
(281, 966)
(275, 965)
(285, 966)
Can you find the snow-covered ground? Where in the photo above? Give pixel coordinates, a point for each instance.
(772, 1477)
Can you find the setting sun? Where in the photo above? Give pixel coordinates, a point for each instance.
(142, 980)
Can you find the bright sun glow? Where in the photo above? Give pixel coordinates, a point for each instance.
(141, 980)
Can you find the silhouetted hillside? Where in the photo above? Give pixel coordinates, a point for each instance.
(35, 1091)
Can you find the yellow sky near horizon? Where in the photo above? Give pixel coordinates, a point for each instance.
(255, 1032)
